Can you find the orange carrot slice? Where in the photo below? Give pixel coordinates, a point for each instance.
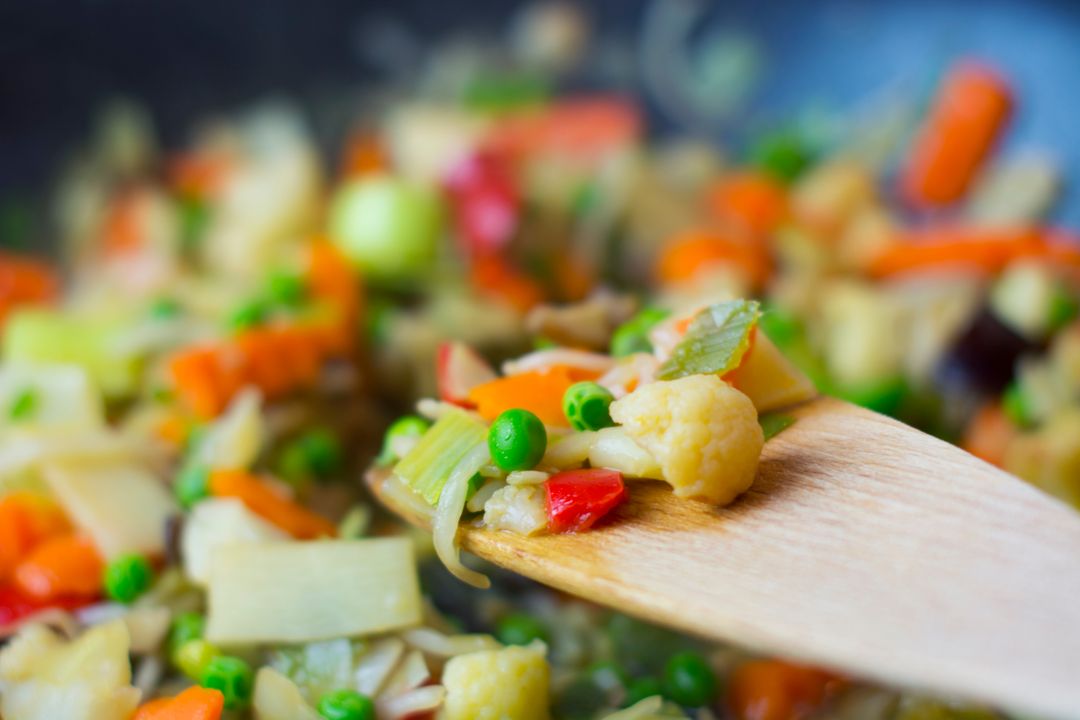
(195, 703)
(538, 391)
(686, 254)
(749, 201)
(264, 501)
(64, 566)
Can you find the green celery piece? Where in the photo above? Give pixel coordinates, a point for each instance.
(428, 466)
(715, 342)
(774, 423)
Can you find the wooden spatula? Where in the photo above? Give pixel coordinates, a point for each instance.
(864, 545)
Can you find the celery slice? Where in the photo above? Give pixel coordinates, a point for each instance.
(715, 342)
(427, 467)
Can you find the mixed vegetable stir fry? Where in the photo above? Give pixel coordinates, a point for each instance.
(554, 305)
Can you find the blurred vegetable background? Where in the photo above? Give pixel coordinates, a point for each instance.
(698, 61)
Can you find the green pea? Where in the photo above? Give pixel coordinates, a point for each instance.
(688, 680)
(517, 440)
(192, 485)
(1015, 403)
(387, 227)
(164, 308)
(185, 627)
(608, 675)
(232, 676)
(193, 657)
(322, 451)
(641, 688)
(587, 406)
(287, 289)
(346, 705)
(520, 629)
(782, 326)
(23, 405)
(633, 335)
(249, 315)
(127, 577)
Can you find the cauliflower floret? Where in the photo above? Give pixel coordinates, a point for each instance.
(703, 432)
(43, 677)
(506, 684)
(517, 508)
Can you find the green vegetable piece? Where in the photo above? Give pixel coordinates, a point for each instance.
(164, 308)
(232, 676)
(192, 485)
(251, 314)
(582, 699)
(783, 155)
(688, 680)
(194, 219)
(322, 452)
(633, 335)
(1063, 309)
(774, 423)
(428, 466)
(346, 705)
(127, 577)
(520, 629)
(884, 396)
(194, 657)
(185, 627)
(501, 91)
(640, 689)
(781, 326)
(1017, 407)
(23, 405)
(587, 406)
(517, 440)
(715, 342)
(387, 227)
(286, 289)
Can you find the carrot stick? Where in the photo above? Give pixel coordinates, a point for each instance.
(982, 249)
(195, 703)
(65, 566)
(686, 254)
(750, 202)
(262, 500)
(970, 112)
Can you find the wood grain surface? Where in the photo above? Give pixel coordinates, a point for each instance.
(865, 546)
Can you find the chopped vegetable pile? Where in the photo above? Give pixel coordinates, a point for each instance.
(556, 308)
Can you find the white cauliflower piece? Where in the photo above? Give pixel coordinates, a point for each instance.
(506, 684)
(43, 677)
(517, 508)
(703, 432)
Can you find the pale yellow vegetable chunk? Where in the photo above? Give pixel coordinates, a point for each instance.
(43, 677)
(122, 506)
(308, 591)
(769, 379)
(276, 697)
(506, 684)
(703, 432)
(217, 523)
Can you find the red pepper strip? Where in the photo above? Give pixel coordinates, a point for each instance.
(15, 607)
(578, 498)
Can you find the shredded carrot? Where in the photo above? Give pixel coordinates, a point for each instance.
(687, 253)
(195, 703)
(750, 202)
(263, 500)
(969, 114)
(64, 566)
(538, 391)
(580, 128)
(776, 690)
(989, 434)
(495, 276)
(986, 250)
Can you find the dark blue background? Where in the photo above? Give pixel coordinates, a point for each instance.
(184, 59)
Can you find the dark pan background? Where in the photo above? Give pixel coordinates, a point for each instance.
(59, 60)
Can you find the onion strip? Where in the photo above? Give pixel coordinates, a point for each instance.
(448, 514)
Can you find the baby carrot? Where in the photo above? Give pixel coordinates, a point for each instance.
(969, 113)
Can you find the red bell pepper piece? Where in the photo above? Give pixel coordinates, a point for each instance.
(578, 498)
(15, 606)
